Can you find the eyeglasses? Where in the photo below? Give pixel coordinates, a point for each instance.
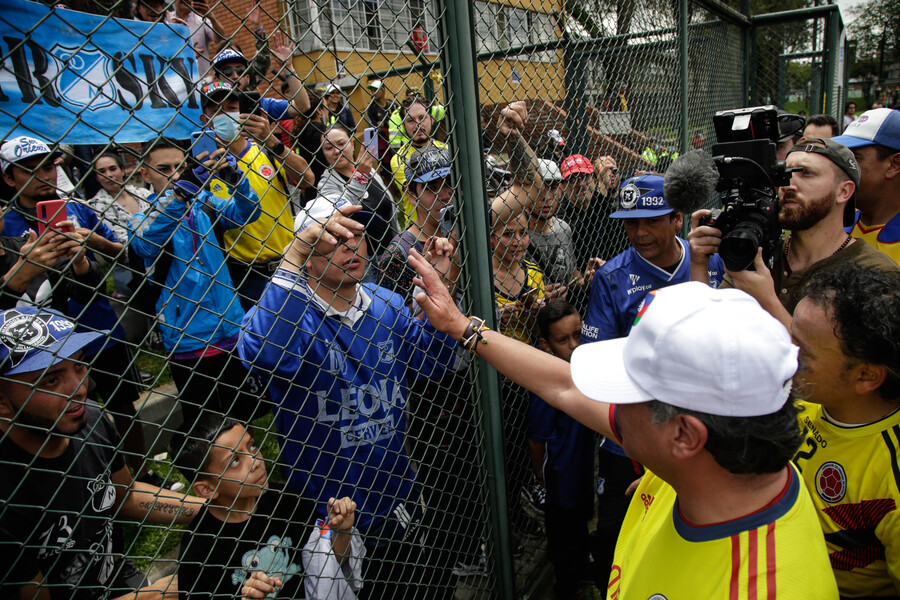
(229, 71)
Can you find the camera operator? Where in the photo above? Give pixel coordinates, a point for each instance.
(814, 208)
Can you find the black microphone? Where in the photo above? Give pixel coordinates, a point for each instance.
(690, 182)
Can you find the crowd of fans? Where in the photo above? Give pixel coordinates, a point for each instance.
(748, 421)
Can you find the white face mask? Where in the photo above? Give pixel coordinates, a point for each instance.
(227, 126)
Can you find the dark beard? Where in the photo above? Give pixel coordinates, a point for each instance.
(805, 217)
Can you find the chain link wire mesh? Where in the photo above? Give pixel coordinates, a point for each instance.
(327, 385)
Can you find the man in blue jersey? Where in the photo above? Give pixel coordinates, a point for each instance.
(338, 353)
(657, 258)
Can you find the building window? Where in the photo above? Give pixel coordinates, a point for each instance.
(363, 25)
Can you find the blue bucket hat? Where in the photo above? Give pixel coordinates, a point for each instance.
(33, 339)
(641, 198)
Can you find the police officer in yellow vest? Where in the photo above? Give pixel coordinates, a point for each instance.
(417, 124)
(255, 250)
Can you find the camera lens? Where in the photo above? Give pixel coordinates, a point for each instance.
(738, 248)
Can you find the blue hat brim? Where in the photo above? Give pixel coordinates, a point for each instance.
(640, 214)
(432, 175)
(851, 141)
(41, 358)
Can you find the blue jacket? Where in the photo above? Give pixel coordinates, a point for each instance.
(198, 305)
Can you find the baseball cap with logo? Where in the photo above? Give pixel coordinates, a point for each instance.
(22, 147)
(549, 170)
(840, 155)
(741, 366)
(33, 339)
(641, 198)
(215, 92)
(576, 163)
(877, 126)
(228, 55)
(427, 164)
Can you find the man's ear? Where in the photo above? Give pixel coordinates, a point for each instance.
(689, 436)
(205, 488)
(869, 377)
(893, 169)
(9, 179)
(845, 190)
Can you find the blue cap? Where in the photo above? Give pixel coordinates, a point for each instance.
(641, 198)
(229, 55)
(877, 126)
(33, 339)
(427, 164)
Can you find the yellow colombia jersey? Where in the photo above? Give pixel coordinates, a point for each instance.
(853, 476)
(884, 237)
(774, 553)
(269, 235)
(517, 327)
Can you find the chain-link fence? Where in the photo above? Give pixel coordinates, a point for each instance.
(209, 336)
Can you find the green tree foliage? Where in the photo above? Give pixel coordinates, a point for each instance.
(876, 30)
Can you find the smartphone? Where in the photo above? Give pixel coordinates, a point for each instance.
(249, 103)
(447, 215)
(370, 139)
(203, 141)
(51, 212)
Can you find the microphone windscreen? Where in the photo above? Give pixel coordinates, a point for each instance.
(690, 182)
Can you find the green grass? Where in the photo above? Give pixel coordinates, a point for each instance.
(144, 543)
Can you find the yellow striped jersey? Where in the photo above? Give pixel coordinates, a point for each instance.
(774, 553)
(883, 237)
(269, 235)
(853, 476)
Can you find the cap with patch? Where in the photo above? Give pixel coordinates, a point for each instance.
(641, 198)
(375, 84)
(576, 163)
(228, 55)
(33, 339)
(427, 164)
(741, 366)
(549, 170)
(840, 155)
(877, 126)
(215, 92)
(22, 147)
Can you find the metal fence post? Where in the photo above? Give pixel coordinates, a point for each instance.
(683, 74)
(461, 91)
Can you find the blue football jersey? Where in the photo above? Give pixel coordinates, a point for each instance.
(620, 285)
(339, 384)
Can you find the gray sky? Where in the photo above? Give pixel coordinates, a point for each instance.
(845, 5)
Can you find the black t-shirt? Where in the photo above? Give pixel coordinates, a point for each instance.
(56, 515)
(216, 557)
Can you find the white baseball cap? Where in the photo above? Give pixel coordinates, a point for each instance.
(19, 148)
(321, 209)
(695, 347)
(877, 126)
(549, 170)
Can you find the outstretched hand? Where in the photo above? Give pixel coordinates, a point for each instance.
(436, 301)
